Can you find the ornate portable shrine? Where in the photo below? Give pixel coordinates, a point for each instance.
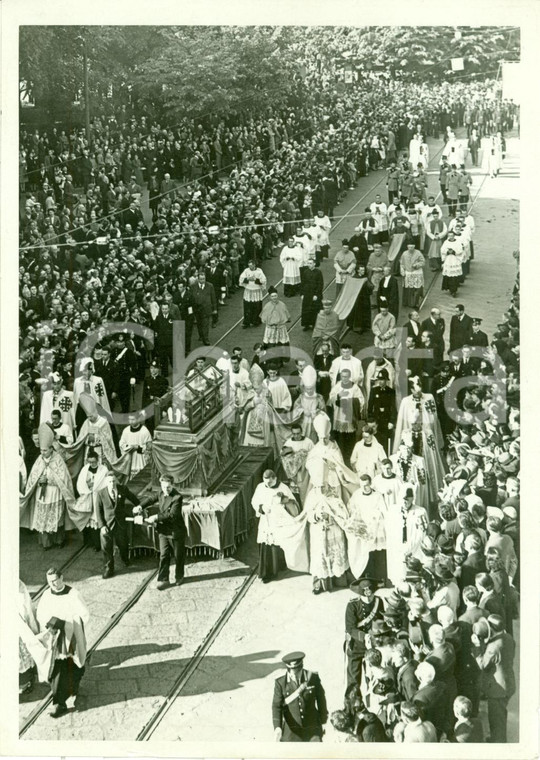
(194, 440)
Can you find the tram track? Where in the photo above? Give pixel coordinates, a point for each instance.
(194, 662)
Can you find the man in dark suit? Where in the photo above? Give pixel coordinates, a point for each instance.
(204, 306)
(123, 372)
(389, 289)
(413, 327)
(215, 275)
(104, 367)
(171, 529)
(427, 364)
(406, 681)
(477, 336)
(473, 613)
(183, 300)
(435, 324)
(432, 698)
(299, 709)
(460, 328)
(112, 513)
(494, 650)
(163, 341)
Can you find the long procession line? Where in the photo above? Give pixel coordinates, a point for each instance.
(185, 232)
(344, 216)
(436, 274)
(195, 661)
(152, 724)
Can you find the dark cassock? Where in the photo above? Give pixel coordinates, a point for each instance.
(389, 289)
(322, 363)
(439, 385)
(382, 409)
(359, 319)
(358, 245)
(311, 290)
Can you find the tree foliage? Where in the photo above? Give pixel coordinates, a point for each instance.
(174, 72)
(425, 53)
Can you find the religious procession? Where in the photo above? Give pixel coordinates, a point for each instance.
(324, 477)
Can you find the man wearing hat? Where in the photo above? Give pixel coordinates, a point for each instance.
(360, 613)
(91, 385)
(477, 336)
(48, 494)
(299, 709)
(382, 409)
(155, 386)
(58, 398)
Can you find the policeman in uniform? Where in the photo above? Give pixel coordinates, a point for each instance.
(361, 612)
(382, 409)
(299, 705)
(477, 336)
(154, 387)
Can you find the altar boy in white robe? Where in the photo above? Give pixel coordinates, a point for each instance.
(136, 440)
(368, 454)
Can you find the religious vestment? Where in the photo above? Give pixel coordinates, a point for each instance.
(331, 484)
(405, 530)
(293, 461)
(48, 493)
(366, 533)
(135, 441)
(68, 614)
(412, 271)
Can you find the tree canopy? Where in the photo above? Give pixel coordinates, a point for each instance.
(178, 71)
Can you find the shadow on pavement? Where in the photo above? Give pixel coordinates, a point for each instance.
(111, 679)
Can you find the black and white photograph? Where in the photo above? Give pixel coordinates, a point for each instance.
(265, 418)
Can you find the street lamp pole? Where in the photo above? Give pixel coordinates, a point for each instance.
(86, 91)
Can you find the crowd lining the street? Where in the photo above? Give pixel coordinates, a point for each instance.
(417, 513)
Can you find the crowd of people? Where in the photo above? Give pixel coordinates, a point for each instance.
(411, 499)
(427, 538)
